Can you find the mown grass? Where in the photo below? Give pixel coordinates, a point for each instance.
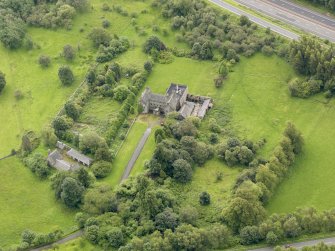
(125, 153)
(28, 203)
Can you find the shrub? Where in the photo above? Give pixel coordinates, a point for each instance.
(148, 66)
(106, 23)
(68, 52)
(204, 199)
(18, 95)
(2, 81)
(99, 37)
(101, 169)
(65, 75)
(38, 165)
(44, 61)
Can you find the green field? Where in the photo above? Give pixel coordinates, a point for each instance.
(28, 203)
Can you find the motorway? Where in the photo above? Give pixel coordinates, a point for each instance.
(305, 19)
(284, 32)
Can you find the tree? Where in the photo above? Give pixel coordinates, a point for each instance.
(72, 192)
(189, 215)
(166, 220)
(295, 136)
(99, 37)
(68, 52)
(49, 137)
(101, 169)
(72, 110)
(121, 92)
(241, 213)
(83, 177)
(223, 69)
(249, 235)
(153, 42)
(148, 66)
(205, 199)
(182, 171)
(114, 237)
(271, 238)
(291, 227)
(65, 75)
(2, 81)
(38, 165)
(44, 61)
(206, 51)
(12, 30)
(90, 142)
(100, 200)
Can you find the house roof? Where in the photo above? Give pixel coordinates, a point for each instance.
(204, 108)
(186, 109)
(176, 88)
(55, 155)
(80, 157)
(62, 165)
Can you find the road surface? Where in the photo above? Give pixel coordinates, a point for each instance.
(136, 153)
(299, 245)
(257, 20)
(296, 15)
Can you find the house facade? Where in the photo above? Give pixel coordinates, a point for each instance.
(176, 99)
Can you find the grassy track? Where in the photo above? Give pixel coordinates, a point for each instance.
(124, 155)
(28, 204)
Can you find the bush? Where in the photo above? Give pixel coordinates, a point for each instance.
(204, 199)
(68, 52)
(44, 61)
(18, 95)
(101, 169)
(303, 89)
(38, 165)
(267, 50)
(99, 37)
(2, 81)
(106, 24)
(148, 66)
(65, 75)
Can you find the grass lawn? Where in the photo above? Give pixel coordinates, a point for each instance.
(125, 153)
(28, 203)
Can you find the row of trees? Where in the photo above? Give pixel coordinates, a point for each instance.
(279, 227)
(255, 186)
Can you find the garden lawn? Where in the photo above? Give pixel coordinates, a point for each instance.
(122, 158)
(28, 203)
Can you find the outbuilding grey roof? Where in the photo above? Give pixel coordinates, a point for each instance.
(79, 157)
(187, 109)
(55, 155)
(203, 109)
